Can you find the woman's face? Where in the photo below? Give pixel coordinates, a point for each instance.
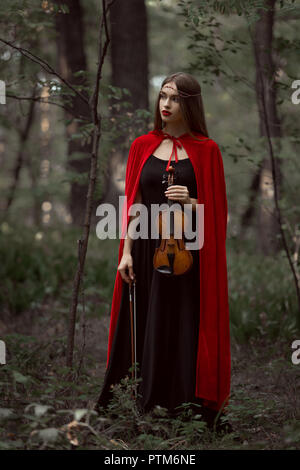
(169, 101)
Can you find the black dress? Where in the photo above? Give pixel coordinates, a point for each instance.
(167, 310)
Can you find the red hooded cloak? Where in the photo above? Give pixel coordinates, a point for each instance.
(213, 356)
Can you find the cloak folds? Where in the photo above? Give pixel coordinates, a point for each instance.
(213, 356)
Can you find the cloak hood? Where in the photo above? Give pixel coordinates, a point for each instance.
(213, 357)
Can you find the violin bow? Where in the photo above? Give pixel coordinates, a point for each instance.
(132, 305)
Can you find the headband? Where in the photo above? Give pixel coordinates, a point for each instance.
(183, 94)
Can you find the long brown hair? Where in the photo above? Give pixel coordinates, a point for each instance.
(190, 101)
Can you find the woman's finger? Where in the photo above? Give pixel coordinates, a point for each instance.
(177, 186)
(131, 273)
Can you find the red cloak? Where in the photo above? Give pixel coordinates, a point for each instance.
(213, 358)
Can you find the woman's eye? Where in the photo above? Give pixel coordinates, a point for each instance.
(175, 98)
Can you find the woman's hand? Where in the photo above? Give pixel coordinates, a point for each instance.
(179, 193)
(126, 263)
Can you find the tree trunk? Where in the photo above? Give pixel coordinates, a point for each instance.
(129, 61)
(71, 59)
(267, 225)
(23, 138)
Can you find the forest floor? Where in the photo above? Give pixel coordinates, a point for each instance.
(265, 389)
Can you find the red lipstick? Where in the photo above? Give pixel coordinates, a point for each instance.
(166, 113)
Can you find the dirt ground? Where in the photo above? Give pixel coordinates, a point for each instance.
(265, 385)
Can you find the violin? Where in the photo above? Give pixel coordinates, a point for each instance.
(171, 257)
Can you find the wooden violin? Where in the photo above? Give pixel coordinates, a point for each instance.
(171, 257)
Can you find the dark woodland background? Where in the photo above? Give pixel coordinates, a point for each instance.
(63, 151)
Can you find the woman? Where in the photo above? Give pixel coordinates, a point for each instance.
(183, 341)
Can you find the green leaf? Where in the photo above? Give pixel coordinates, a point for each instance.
(18, 377)
(65, 8)
(79, 73)
(80, 413)
(40, 410)
(6, 413)
(49, 434)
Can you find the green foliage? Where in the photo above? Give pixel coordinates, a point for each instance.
(292, 434)
(29, 383)
(25, 279)
(213, 41)
(40, 265)
(36, 265)
(262, 295)
(235, 7)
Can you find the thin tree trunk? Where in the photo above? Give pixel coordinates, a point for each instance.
(23, 137)
(83, 243)
(249, 213)
(34, 181)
